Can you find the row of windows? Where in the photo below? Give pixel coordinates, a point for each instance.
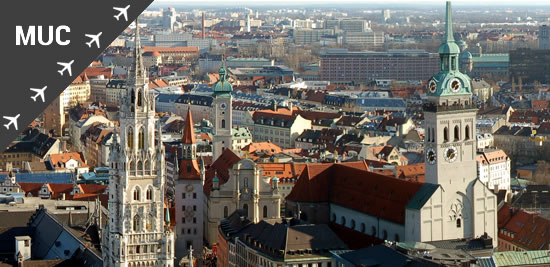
(184, 195)
(194, 220)
(363, 228)
(456, 137)
(137, 194)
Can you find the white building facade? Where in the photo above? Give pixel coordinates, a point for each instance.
(138, 231)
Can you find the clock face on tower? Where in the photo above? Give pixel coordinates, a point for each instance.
(223, 106)
(455, 85)
(432, 86)
(450, 154)
(431, 156)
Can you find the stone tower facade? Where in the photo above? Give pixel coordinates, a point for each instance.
(189, 197)
(138, 232)
(222, 115)
(467, 207)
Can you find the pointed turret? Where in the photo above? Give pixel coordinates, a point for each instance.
(137, 74)
(449, 47)
(189, 167)
(189, 130)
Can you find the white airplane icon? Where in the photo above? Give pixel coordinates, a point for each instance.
(123, 11)
(94, 39)
(13, 120)
(66, 67)
(39, 93)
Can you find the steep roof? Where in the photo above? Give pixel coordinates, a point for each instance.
(220, 168)
(356, 189)
(189, 130)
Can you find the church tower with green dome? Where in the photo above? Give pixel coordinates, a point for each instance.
(450, 118)
(222, 114)
(462, 206)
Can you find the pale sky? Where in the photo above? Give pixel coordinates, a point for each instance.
(362, 2)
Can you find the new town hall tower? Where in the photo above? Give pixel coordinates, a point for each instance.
(138, 232)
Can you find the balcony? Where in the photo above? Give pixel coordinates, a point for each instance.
(431, 107)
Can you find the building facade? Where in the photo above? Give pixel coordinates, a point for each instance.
(340, 65)
(493, 168)
(138, 232)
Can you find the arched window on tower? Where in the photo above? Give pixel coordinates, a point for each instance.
(149, 223)
(149, 194)
(130, 137)
(137, 194)
(457, 133)
(429, 135)
(445, 134)
(133, 96)
(223, 124)
(433, 134)
(140, 97)
(467, 132)
(137, 222)
(141, 141)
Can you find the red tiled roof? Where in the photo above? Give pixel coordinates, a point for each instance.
(529, 231)
(92, 188)
(266, 147)
(97, 71)
(220, 167)
(189, 130)
(64, 157)
(357, 189)
(33, 188)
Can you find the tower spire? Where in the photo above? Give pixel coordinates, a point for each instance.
(139, 74)
(449, 24)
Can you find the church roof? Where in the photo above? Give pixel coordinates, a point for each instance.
(220, 169)
(357, 189)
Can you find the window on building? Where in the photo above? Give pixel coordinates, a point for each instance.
(183, 195)
(194, 195)
(445, 134)
(467, 132)
(343, 220)
(225, 212)
(245, 208)
(457, 133)
(137, 194)
(458, 223)
(194, 208)
(182, 208)
(149, 223)
(265, 212)
(352, 224)
(223, 124)
(140, 96)
(363, 228)
(130, 137)
(136, 223)
(385, 235)
(194, 219)
(149, 194)
(141, 138)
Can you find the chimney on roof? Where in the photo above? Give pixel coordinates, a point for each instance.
(22, 249)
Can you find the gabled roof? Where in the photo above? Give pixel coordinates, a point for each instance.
(60, 159)
(357, 189)
(220, 168)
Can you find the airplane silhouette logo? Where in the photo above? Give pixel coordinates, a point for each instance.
(66, 67)
(12, 121)
(39, 93)
(122, 11)
(94, 39)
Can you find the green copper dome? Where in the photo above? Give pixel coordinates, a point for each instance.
(449, 48)
(449, 80)
(222, 88)
(466, 55)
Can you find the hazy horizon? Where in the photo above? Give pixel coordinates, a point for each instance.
(378, 3)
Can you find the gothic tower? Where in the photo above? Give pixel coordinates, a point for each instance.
(221, 114)
(189, 196)
(137, 233)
